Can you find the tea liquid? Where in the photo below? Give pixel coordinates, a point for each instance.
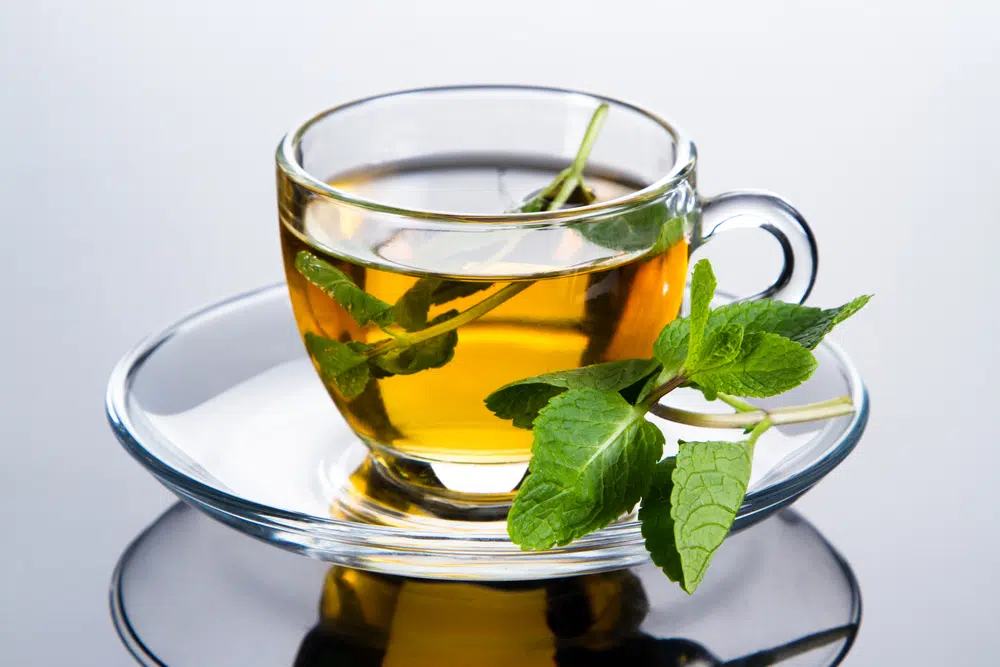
(567, 320)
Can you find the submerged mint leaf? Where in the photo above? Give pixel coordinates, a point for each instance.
(592, 459)
(709, 483)
(657, 523)
(344, 365)
(359, 304)
(521, 400)
(767, 365)
(649, 227)
(702, 290)
(431, 353)
(411, 309)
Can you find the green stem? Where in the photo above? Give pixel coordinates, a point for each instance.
(464, 317)
(836, 407)
(737, 404)
(575, 177)
(659, 392)
(758, 431)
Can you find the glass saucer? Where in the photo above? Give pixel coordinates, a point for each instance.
(225, 410)
(189, 592)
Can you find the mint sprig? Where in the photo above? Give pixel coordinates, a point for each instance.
(594, 455)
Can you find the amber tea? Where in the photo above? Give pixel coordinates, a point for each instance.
(548, 305)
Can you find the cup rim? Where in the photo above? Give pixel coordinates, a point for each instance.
(287, 160)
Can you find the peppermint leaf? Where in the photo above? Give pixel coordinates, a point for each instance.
(431, 353)
(657, 523)
(702, 290)
(592, 459)
(721, 347)
(411, 308)
(359, 304)
(671, 346)
(767, 365)
(342, 365)
(522, 400)
(709, 483)
(648, 227)
(803, 324)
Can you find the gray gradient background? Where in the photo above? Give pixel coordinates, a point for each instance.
(136, 183)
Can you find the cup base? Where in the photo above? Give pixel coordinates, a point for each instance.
(387, 489)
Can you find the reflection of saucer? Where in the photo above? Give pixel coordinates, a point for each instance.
(189, 592)
(224, 408)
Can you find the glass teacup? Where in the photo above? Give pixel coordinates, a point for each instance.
(405, 205)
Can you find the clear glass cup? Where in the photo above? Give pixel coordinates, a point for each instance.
(418, 190)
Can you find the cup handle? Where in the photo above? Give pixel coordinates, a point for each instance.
(741, 209)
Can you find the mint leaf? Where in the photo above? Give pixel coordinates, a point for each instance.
(592, 460)
(342, 365)
(449, 290)
(411, 308)
(702, 290)
(803, 324)
(720, 347)
(767, 365)
(522, 403)
(644, 228)
(671, 346)
(522, 400)
(657, 523)
(709, 483)
(359, 304)
(431, 353)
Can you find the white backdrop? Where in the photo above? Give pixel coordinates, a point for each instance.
(137, 184)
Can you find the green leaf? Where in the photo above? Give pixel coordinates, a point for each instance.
(721, 347)
(359, 304)
(522, 400)
(411, 309)
(644, 228)
(657, 523)
(671, 346)
(703, 285)
(431, 353)
(803, 324)
(592, 459)
(767, 365)
(341, 364)
(709, 483)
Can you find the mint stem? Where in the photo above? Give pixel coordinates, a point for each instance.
(464, 317)
(655, 395)
(575, 177)
(737, 403)
(836, 407)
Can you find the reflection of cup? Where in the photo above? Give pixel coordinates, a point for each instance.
(376, 620)
(413, 186)
(373, 619)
